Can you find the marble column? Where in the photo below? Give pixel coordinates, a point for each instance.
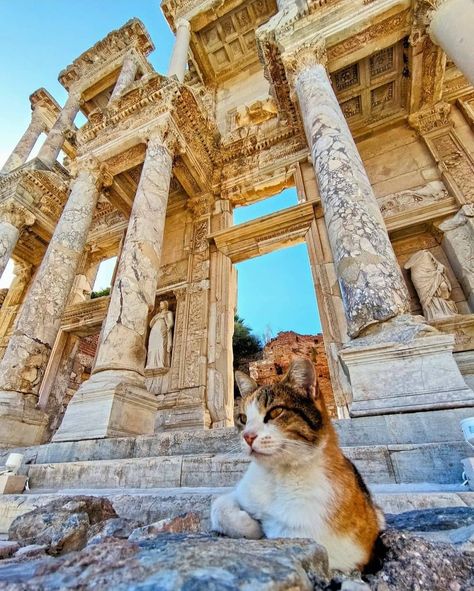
(395, 362)
(115, 394)
(126, 76)
(23, 149)
(55, 140)
(451, 26)
(37, 325)
(372, 286)
(179, 57)
(13, 218)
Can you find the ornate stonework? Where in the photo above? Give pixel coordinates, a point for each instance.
(358, 104)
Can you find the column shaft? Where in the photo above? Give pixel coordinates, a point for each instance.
(452, 28)
(179, 58)
(372, 286)
(126, 76)
(122, 344)
(25, 359)
(23, 148)
(116, 395)
(55, 140)
(13, 217)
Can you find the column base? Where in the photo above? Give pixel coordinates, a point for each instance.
(21, 424)
(404, 375)
(110, 404)
(182, 410)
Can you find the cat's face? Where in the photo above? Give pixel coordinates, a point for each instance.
(282, 422)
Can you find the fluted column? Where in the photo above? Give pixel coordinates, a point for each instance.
(23, 148)
(13, 218)
(179, 57)
(451, 26)
(116, 393)
(55, 140)
(126, 76)
(372, 286)
(27, 353)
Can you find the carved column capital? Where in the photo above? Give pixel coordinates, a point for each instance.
(15, 214)
(93, 166)
(164, 135)
(307, 55)
(200, 204)
(431, 119)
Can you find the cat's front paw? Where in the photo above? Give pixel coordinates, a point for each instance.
(250, 528)
(229, 519)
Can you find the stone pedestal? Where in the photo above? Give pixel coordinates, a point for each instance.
(110, 398)
(21, 423)
(403, 370)
(111, 404)
(179, 57)
(23, 149)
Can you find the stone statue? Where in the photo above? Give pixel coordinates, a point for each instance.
(160, 342)
(432, 285)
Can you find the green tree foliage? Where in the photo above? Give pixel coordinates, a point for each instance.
(244, 342)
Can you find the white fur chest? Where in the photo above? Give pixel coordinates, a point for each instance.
(293, 503)
(296, 504)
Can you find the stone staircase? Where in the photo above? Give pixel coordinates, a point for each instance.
(170, 473)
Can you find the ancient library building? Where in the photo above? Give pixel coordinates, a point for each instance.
(366, 109)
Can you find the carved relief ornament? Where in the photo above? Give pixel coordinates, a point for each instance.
(15, 214)
(306, 55)
(431, 119)
(94, 167)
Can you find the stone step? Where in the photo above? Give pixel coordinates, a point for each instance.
(155, 504)
(438, 463)
(397, 429)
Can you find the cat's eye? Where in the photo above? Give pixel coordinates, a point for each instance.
(273, 413)
(242, 419)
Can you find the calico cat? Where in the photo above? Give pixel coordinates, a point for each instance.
(299, 484)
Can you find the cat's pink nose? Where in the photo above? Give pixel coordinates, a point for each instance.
(250, 437)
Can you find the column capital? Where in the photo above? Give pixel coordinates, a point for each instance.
(164, 134)
(423, 13)
(93, 166)
(15, 214)
(431, 119)
(308, 54)
(182, 22)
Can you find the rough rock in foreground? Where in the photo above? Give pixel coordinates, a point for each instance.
(84, 546)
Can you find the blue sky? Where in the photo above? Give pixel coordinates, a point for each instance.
(38, 38)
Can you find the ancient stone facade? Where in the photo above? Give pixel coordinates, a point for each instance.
(365, 106)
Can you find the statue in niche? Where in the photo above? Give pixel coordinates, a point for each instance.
(432, 285)
(160, 342)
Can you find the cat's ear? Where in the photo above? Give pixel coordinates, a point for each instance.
(301, 375)
(245, 383)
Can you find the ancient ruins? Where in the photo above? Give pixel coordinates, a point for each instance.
(367, 108)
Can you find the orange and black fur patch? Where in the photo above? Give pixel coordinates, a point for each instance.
(292, 407)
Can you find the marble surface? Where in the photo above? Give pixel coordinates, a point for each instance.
(23, 148)
(25, 359)
(371, 282)
(126, 76)
(55, 140)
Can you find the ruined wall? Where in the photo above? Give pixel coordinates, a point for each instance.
(280, 351)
